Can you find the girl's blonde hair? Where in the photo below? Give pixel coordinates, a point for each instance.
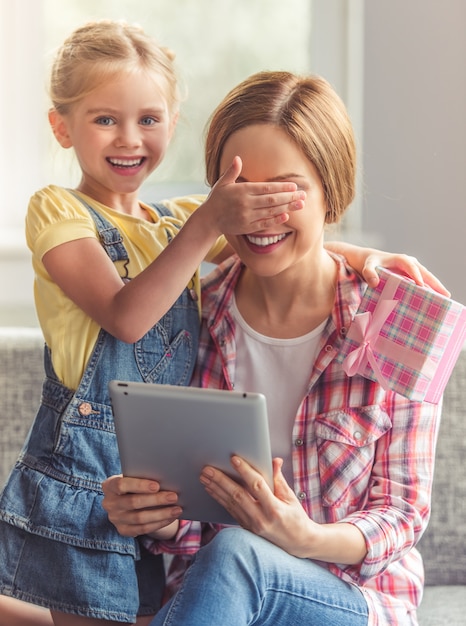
(309, 110)
(97, 52)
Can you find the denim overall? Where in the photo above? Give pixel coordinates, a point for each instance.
(57, 547)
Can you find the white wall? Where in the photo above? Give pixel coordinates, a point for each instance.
(414, 139)
(21, 86)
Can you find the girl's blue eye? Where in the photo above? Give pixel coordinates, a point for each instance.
(148, 121)
(105, 121)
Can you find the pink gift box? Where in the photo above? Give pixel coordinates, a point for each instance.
(407, 338)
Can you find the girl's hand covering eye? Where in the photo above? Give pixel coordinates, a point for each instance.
(238, 207)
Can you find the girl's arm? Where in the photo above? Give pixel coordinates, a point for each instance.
(365, 260)
(85, 273)
(17, 613)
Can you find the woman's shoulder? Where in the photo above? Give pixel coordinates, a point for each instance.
(218, 286)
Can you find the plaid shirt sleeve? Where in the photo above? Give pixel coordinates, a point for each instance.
(190, 537)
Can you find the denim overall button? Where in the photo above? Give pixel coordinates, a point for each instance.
(85, 409)
(193, 294)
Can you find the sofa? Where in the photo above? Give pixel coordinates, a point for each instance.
(443, 545)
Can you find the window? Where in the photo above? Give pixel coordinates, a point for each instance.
(217, 44)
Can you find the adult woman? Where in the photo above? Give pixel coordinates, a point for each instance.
(334, 541)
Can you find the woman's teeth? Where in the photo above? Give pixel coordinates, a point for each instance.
(265, 241)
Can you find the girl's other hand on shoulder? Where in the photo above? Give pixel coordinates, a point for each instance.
(401, 264)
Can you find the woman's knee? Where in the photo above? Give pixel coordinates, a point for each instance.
(233, 542)
(236, 553)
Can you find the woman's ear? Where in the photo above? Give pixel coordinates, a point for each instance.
(60, 128)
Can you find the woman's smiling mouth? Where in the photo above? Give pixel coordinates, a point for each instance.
(265, 240)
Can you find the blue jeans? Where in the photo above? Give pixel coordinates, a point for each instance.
(240, 578)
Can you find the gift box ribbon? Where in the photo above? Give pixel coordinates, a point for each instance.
(365, 330)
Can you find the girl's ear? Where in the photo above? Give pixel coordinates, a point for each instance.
(173, 123)
(60, 128)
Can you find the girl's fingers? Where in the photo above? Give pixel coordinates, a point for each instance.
(405, 265)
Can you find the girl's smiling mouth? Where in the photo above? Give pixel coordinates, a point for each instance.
(126, 163)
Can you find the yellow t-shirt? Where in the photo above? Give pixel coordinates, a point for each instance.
(56, 216)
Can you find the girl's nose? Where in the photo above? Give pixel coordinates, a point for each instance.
(129, 136)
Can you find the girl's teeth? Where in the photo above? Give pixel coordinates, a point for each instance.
(125, 162)
(265, 241)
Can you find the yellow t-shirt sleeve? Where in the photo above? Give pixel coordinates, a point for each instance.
(55, 217)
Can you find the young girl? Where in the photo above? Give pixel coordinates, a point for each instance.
(108, 310)
(334, 541)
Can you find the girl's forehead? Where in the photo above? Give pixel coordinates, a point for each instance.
(129, 87)
(138, 76)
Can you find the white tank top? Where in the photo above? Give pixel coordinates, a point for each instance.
(280, 369)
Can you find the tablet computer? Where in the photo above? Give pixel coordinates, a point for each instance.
(169, 433)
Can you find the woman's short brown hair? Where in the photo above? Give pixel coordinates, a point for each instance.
(310, 112)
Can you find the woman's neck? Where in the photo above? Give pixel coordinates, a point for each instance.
(289, 304)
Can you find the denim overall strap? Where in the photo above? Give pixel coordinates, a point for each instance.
(110, 236)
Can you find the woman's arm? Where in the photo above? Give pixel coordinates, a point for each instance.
(279, 517)
(398, 500)
(137, 506)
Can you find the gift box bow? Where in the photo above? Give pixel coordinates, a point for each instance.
(365, 331)
(405, 337)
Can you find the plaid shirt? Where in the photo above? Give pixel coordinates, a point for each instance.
(361, 455)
